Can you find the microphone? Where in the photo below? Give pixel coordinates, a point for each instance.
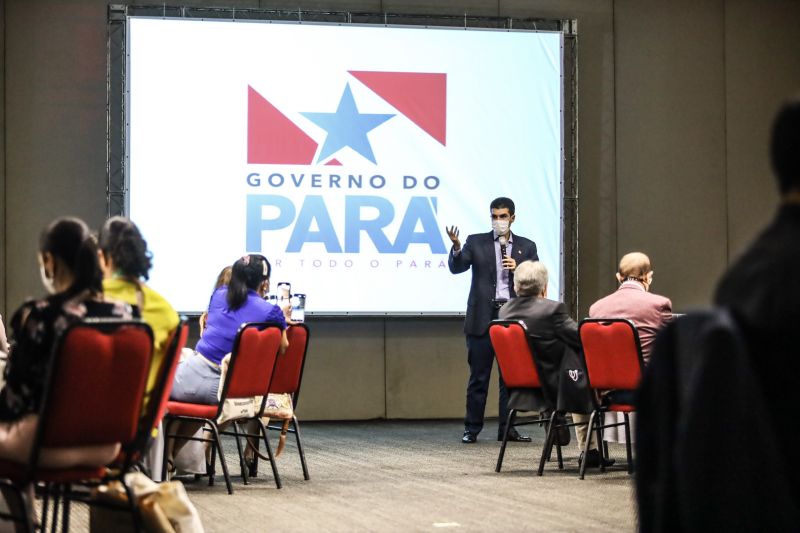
(502, 240)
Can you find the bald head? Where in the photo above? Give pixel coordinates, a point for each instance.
(634, 265)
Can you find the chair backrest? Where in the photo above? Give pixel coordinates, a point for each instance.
(289, 367)
(157, 404)
(514, 354)
(612, 351)
(96, 384)
(252, 363)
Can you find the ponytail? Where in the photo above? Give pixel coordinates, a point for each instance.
(247, 274)
(72, 246)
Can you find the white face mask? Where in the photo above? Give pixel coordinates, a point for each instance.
(48, 283)
(500, 227)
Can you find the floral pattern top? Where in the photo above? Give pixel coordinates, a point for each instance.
(35, 327)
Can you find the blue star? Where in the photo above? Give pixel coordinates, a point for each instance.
(347, 127)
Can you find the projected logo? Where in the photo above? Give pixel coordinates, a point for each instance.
(272, 138)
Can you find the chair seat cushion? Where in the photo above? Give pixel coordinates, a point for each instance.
(18, 471)
(621, 408)
(191, 409)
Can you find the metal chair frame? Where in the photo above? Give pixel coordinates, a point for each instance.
(551, 426)
(295, 395)
(210, 424)
(595, 424)
(62, 490)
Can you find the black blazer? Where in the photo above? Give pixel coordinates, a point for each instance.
(556, 348)
(478, 252)
(707, 453)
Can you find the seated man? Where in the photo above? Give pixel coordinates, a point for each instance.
(634, 301)
(555, 333)
(648, 312)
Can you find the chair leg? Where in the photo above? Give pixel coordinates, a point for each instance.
(505, 440)
(56, 498)
(586, 445)
(628, 443)
(65, 512)
(165, 428)
(300, 448)
(212, 463)
(45, 504)
(548, 444)
(221, 455)
(242, 465)
(20, 506)
(600, 442)
(272, 462)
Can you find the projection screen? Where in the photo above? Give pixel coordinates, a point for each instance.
(340, 152)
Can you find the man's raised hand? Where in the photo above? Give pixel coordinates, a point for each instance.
(452, 232)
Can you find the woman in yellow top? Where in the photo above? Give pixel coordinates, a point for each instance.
(126, 265)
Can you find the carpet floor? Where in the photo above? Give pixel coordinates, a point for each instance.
(417, 476)
(412, 476)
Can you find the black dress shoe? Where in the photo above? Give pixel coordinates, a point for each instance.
(469, 437)
(593, 459)
(513, 436)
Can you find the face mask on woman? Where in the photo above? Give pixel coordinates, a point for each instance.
(48, 282)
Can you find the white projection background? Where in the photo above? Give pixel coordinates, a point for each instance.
(340, 153)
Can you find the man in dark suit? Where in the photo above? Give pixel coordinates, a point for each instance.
(762, 289)
(556, 342)
(493, 256)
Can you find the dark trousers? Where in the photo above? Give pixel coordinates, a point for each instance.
(481, 358)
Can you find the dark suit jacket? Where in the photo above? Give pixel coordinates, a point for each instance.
(762, 289)
(706, 454)
(478, 253)
(556, 346)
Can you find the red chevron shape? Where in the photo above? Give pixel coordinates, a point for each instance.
(272, 137)
(420, 96)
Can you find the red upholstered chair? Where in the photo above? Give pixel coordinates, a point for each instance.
(287, 379)
(249, 374)
(159, 396)
(156, 405)
(614, 362)
(93, 396)
(517, 364)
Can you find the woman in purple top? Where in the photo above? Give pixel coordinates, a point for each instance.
(242, 300)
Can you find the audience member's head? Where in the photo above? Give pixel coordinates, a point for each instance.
(68, 258)
(250, 272)
(635, 266)
(530, 279)
(224, 277)
(785, 148)
(123, 250)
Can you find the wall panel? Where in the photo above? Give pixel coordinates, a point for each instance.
(426, 369)
(762, 70)
(670, 84)
(55, 126)
(345, 374)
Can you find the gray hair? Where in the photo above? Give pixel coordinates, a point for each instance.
(530, 278)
